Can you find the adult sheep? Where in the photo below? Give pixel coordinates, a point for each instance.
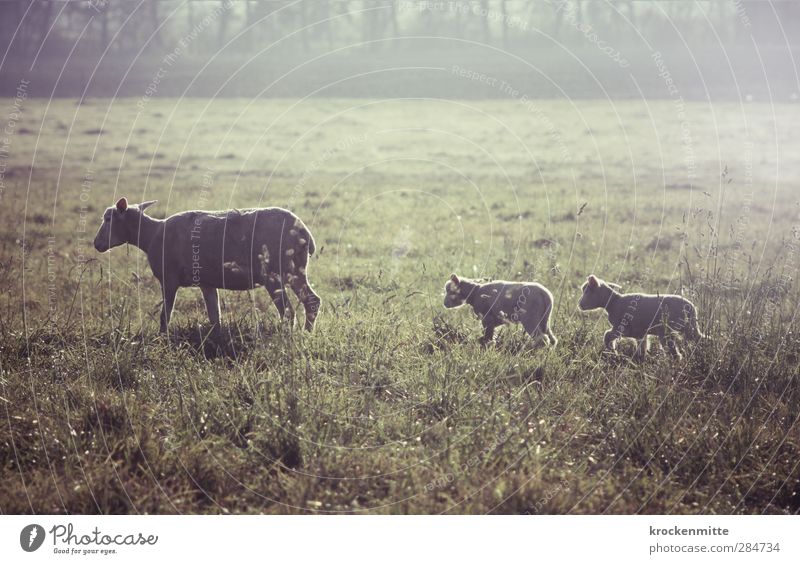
(230, 250)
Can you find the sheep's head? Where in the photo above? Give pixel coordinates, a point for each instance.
(454, 292)
(121, 223)
(596, 293)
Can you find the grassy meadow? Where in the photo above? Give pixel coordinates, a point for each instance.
(391, 405)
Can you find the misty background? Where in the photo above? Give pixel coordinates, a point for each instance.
(742, 50)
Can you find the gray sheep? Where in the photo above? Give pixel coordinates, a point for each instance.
(636, 316)
(498, 303)
(232, 250)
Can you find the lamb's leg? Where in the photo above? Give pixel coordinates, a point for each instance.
(306, 295)
(536, 333)
(671, 346)
(212, 305)
(677, 350)
(277, 292)
(168, 292)
(540, 340)
(488, 334)
(552, 337)
(544, 327)
(692, 331)
(641, 350)
(610, 341)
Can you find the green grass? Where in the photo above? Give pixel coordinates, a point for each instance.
(390, 405)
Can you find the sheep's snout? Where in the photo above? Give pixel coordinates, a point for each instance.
(100, 245)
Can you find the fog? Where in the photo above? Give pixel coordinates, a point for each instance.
(401, 48)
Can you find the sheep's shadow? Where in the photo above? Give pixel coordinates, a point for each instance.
(519, 345)
(626, 354)
(228, 341)
(445, 335)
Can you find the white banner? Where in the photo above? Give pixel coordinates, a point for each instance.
(372, 539)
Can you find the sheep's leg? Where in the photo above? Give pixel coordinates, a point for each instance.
(168, 292)
(551, 336)
(277, 292)
(307, 297)
(671, 346)
(610, 340)
(540, 340)
(544, 327)
(212, 305)
(692, 332)
(677, 350)
(535, 332)
(641, 350)
(488, 334)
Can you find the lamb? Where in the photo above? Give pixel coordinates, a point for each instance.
(498, 303)
(232, 250)
(636, 316)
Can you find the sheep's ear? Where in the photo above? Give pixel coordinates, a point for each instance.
(454, 279)
(144, 205)
(593, 282)
(122, 204)
(614, 286)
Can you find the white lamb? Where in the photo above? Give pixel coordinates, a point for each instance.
(636, 316)
(498, 303)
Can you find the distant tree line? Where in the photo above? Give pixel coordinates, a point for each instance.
(39, 27)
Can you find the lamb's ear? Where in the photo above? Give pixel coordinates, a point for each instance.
(144, 205)
(616, 287)
(454, 279)
(593, 282)
(122, 204)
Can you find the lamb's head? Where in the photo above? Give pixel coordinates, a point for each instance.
(121, 224)
(455, 292)
(596, 293)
